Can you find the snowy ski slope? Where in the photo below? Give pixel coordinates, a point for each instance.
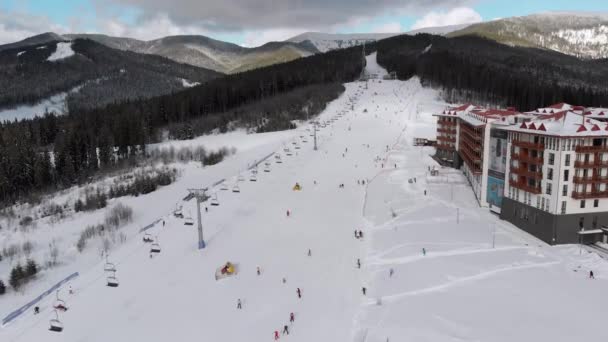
(463, 289)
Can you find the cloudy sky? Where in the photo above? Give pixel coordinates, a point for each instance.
(254, 22)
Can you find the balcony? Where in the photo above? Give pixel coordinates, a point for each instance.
(590, 149)
(538, 175)
(590, 164)
(525, 187)
(446, 123)
(589, 194)
(527, 158)
(445, 147)
(446, 139)
(529, 145)
(446, 130)
(589, 180)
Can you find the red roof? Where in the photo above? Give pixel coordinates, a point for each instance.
(531, 126)
(542, 127)
(581, 129)
(595, 128)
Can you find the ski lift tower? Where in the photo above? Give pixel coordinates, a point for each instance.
(315, 137)
(201, 196)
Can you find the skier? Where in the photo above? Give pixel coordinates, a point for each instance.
(163, 223)
(71, 291)
(358, 263)
(364, 290)
(276, 335)
(299, 293)
(309, 252)
(239, 305)
(287, 212)
(591, 276)
(284, 280)
(356, 234)
(423, 251)
(285, 330)
(206, 209)
(258, 270)
(292, 318)
(424, 192)
(390, 272)
(36, 310)
(361, 234)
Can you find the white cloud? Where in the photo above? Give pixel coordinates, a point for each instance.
(261, 37)
(455, 16)
(393, 27)
(150, 28)
(15, 26)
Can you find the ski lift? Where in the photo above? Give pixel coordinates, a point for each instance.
(267, 163)
(155, 247)
(188, 221)
(236, 188)
(224, 186)
(278, 159)
(241, 178)
(288, 152)
(59, 303)
(267, 168)
(111, 280)
(253, 178)
(109, 267)
(214, 200)
(297, 147)
(147, 238)
(55, 323)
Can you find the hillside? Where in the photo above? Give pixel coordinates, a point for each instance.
(577, 34)
(88, 74)
(477, 279)
(479, 70)
(208, 53)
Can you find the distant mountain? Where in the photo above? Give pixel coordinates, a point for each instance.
(33, 40)
(578, 34)
(89, 74)
(331, 41)
(208, 53)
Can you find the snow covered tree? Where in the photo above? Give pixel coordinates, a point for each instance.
(31, 268)
(17, 275)
(2, 288)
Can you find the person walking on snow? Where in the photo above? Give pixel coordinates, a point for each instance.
(276, 335)
(258, 270)
(356, 234)
(285, 330)
(423, 251)
(358, 263)
(361, 234)
(591, 276)
(390, 272)
(299, 293)
(288, 212)
(238, 304)
(364, 290)
(309, 252)
(292, 318)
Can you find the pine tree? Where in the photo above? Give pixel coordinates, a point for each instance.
(31, 268)
(2, 288)
(16, 277)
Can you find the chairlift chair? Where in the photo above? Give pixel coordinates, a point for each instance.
(241, 178)
(55, 323)
(147, 238)
(188, 221)
(155, 247)
(267, 168)
(214, 201)
(253, 178)
(278, 159)
(112, 281)
(236, 188)
(59, 303)
(224, 186)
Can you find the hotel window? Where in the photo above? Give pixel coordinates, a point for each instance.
(583, 204)
(596, 203)
(537, 201)
(565, 190)
(549, 188)
(563, 207)
(551, 158)
(566, 175)
(542, 204)
(548, 205)
(567, 160)
(549, 173)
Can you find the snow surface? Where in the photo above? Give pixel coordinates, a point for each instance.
(63, 50)
(188, 84)
(463, 289)
(20, 53)
(55, 103)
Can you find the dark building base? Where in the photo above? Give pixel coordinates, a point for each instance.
(448, 158)
(553, 229)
